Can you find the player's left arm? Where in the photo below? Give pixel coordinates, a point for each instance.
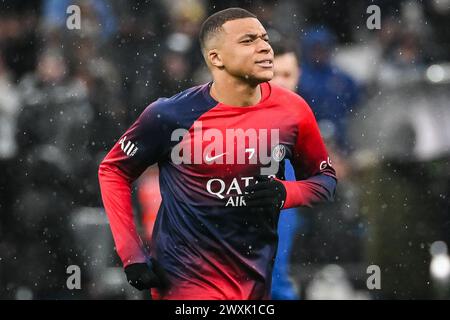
(316, 178)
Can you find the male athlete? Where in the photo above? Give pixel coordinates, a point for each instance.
(220, 149)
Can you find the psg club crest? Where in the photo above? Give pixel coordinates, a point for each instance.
(279, 152)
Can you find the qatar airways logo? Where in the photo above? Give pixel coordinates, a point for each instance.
(250, 146)
(233, 192)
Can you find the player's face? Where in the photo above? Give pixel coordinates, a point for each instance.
(245, 50)
(286, 71)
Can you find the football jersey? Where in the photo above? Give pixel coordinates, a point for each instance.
(211, 245)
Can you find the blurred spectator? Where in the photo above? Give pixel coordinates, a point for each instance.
(101, 79)
(182, 50)
(55, 116)
(402, 142)
(136, 51)
(333, 232)
(437, 14)
(331, 93)
(18, 35)
(9, 107)
(97, 17)
(52, 135)
(402, 57)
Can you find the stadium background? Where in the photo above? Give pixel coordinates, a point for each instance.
(66, 95)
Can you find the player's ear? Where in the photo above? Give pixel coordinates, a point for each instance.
(214, 58)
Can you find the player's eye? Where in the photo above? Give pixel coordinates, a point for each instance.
(246, 40)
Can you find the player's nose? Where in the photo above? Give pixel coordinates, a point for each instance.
(264, 46)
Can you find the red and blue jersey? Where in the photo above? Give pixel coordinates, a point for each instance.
(210, 243)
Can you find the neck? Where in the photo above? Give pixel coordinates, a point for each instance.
(235, 92)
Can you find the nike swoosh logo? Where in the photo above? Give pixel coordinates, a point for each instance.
(209, 159)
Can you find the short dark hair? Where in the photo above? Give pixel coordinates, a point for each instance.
(214, 22)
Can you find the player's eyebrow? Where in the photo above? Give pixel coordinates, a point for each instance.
(253, 35)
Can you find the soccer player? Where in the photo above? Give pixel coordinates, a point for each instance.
(286, 75)
(220, 148)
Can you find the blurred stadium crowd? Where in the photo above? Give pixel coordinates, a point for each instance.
(381, 98)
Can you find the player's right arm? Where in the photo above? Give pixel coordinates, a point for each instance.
(140, 146)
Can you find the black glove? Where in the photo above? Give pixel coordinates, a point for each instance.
(268, 192)
(146, 275)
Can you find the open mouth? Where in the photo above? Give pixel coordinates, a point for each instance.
(267, 63)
